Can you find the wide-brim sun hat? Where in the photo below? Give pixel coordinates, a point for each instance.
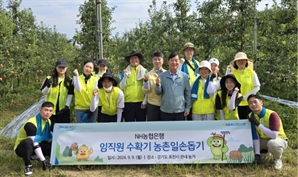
(205, 64)
(106, 75)
(134, 53)
(189, 45)
(214, 60)
(232, 76)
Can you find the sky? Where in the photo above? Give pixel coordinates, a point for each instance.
(63, 13)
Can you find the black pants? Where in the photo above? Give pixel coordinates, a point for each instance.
(98, 115)
(25, 150)
(153, 112)
(107, 118)
(133, 112)
(172, 116)
(243, 112)
(189, 116)
(61, 118)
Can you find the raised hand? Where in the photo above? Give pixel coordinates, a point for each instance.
(76, 72)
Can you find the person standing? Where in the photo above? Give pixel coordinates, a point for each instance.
(99, 70)
(269, 129)
(249, 81)
(153, 103)
(131, 83)
(228, 98)
(202, 94)
(111, 98)
(35, 138)
(84, 85)
(59, 90)
(174, 88)
(190, 65)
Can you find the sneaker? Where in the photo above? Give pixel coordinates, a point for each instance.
(257, 159)
(278, 164)
(28, 170)
(265, 156)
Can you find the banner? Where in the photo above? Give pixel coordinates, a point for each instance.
(178, 142)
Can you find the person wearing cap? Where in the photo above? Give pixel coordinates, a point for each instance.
(248, 79)
(228, 98)
(35, 138)
(101, 68)
(190, 65)
(153, 105)
(174, 88)
(202, 93)
(215, 74)
(268, 132)
(84, 85)
(59, 90)
(131, 83)
(111, 98)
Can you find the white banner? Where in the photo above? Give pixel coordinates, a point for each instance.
(152, 143)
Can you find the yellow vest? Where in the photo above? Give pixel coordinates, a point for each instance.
(192, 76)
(203, 105)
(133, 91)
(83, 98)
(265, 121)
(229, 114)
(153, 98)
(22, 133)
(109, 104)
(52, 96)
(245, 78)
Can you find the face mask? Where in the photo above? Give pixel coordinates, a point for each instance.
(108, 89)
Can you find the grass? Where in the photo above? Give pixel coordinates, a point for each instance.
(12, 166)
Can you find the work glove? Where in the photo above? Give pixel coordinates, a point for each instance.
(46, 165)
(212, 77)
(65, 109)
(85, 116)
(254, 121)
(49, 82)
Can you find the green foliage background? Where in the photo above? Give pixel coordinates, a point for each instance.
(219, 28)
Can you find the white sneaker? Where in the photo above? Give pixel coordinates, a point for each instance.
(278, 164)
(265, 156)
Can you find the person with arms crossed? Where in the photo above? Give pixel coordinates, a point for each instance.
(35, 138)
(174, 88)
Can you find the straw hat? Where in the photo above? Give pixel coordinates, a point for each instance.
(241, 56)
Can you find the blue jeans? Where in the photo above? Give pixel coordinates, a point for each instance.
(91, 119)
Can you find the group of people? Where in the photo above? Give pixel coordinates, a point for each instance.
(189, 90)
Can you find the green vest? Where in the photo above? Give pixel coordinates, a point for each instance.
(133, 92)
(229, 114)
(203, 105)
(265, 121)
(84, 97)
(61, 91)
(245, 78)
(109, 104)
(22, 133)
